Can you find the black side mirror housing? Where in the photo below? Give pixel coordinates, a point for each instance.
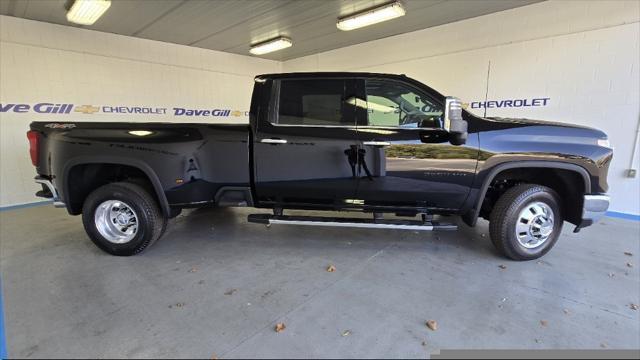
(453, 121)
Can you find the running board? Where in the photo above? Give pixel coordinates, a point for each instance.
(350, 222)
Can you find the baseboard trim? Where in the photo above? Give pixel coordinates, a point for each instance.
(26, 205)
(621, 215)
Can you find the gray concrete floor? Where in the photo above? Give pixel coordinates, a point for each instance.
(216, 286)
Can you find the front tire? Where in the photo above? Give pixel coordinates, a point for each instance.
(526, 222)
(122, 218)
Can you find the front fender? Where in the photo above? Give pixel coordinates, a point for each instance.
(486, 176)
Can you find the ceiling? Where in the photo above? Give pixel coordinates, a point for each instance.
(232, 25)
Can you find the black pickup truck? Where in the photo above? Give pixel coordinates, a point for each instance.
(376, 143)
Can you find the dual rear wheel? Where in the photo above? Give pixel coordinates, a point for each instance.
(122, 218)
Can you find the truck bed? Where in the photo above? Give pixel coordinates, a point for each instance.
(190, 163)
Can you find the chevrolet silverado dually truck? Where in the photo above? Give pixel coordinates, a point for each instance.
(375, 143)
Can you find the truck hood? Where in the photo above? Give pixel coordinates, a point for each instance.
(532, 122)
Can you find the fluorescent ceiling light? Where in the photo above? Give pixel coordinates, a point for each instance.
(271, 46)
(86, 12)
(371, 16)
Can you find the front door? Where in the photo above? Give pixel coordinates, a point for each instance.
(302, 149)
(408, 160)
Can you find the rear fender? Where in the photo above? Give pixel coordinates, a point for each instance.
(114, 160)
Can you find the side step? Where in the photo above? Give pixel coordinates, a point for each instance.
(350, 222)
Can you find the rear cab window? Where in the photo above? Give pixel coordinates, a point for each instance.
(311, 102)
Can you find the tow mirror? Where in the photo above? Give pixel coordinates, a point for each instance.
(453, 121)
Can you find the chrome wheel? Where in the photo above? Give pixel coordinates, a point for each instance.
(116, 221)
(535, 225)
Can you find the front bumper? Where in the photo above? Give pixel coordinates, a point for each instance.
(595, 207)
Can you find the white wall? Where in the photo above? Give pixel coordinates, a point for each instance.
(42, 62)
(583, 55)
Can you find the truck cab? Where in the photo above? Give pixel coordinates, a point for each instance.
(342, 141)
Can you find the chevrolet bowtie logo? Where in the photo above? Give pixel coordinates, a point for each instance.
(87, 109)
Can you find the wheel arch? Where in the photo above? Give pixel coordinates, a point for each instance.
(141, 166)
(470, 217)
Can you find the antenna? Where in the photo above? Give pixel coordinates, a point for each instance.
(486, 94)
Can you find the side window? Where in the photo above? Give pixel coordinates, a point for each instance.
(312, 102)
(390, 103)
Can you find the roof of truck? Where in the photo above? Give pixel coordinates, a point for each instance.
(329, 74)
(320, 74)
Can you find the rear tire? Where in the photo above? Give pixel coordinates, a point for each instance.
(122, 218)
(526, 221)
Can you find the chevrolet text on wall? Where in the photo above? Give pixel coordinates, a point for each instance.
(52, 108)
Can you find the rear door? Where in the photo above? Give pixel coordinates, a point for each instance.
(301, 148)
(407, 152)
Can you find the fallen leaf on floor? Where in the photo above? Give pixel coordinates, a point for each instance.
(280, 327)
(424, 343)
(604, 345)
(331, 268)
(230, 291)
(566, 311)
(346, 333)
(192, 270)
(544, 323)
(612, 274)
(432, 324)
(537, 341)
(633, 306)
(629, 265)
(502, 267)
(628, 253)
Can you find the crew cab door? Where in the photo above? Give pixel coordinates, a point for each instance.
(301, 147)
(411, 162)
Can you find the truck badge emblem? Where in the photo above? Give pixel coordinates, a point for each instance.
(87, 109)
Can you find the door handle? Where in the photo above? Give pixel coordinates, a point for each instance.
(273, 141)
(376, 143)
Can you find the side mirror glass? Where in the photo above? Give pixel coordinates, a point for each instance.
(453, 121)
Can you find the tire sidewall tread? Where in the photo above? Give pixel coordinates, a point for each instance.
(505, 213)
(151, 221)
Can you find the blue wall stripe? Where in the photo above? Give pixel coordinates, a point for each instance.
(3, 342)
(27, 205)
(621, 215)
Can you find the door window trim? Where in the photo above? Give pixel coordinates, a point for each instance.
(413, 88)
